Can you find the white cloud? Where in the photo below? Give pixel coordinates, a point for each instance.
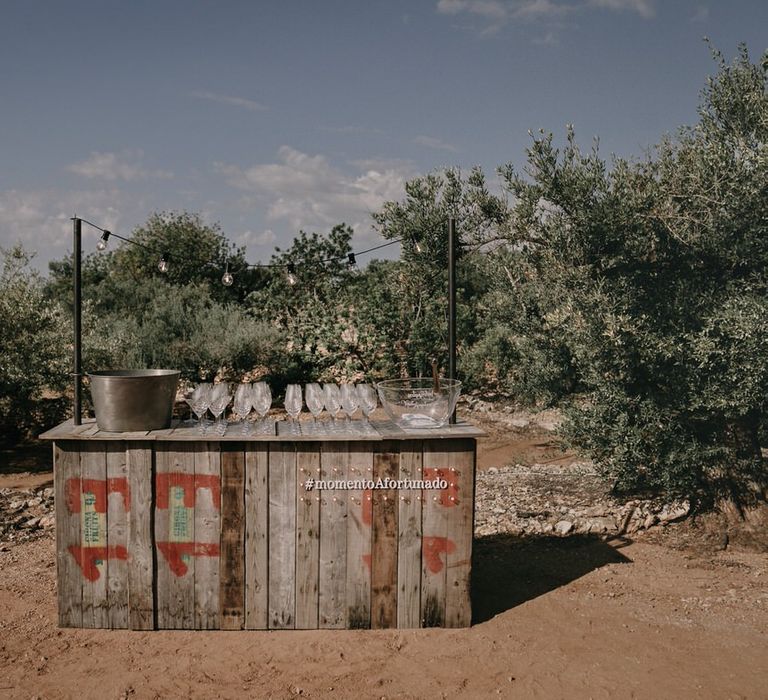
(125, 165)
(310, 193)
(701, 14)
(243, 102)
(644, 8)
(41, 220)
(251, 238)
(437, 144)
(354, 130)
(497, 13)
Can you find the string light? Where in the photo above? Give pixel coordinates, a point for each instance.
(227, 279)
(291, 274)
(102, 244)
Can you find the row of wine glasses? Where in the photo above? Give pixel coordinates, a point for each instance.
(257, 397)
(333, 398)
(216, 397)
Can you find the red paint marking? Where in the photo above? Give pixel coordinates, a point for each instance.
(432, 548)
(189, 483)
(452, 492)
(174, 551)
(367, 507)
(367, 561)
(101, 489)
(86, 558)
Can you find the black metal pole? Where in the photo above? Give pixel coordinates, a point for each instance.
(452, 303)
(76, 311)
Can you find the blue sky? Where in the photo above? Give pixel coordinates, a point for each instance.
(269, 117)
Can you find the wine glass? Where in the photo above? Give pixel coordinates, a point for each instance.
(261, 398)
(349, 400)
(203, 402)
(332, 397)
(293, 402)
(313, 395)
(368, 400)
(242, 405)
(220, 397)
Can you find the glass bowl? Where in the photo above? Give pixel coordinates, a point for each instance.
(415, 403)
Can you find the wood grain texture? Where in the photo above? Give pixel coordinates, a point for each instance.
(435, 542)
(332, 598)
(409, 539)
(307, 537)
(207, 460)
(282, 535)
(256, 524)
(232, 561)
(93, 537)
(359, 537)
(118, 505)
(461, 460)
(384, 548)
(141, 565)
(69, 578)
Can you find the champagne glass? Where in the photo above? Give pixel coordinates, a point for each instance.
(242, 405)
(313, 394)
(220, 397)
(368, 400)
(293, 402)
(192, 397)
(332, 397)
(261, 398)
(349, 400)
(203, 401)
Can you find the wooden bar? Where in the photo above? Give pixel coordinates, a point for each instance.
(232, 569)
(256, 519)
(301, 528)
(282, 537)
(384, 547)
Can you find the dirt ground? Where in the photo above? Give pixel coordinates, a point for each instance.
(665, 616)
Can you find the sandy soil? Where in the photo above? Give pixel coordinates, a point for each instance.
(574, 618)
(666, 616)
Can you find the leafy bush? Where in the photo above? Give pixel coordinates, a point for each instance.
(34, 355)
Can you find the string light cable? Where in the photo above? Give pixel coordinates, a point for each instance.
(227, 279)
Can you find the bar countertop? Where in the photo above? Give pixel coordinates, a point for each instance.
(278, 431)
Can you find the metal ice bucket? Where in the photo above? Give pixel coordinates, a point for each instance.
(133, 399)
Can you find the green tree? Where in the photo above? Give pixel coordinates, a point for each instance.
(34, 352)
(654, 274)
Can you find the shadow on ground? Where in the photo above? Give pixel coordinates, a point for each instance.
(509, 570)
(34, 457)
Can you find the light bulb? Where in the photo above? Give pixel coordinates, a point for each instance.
(102, 243)
(352, 264)
(291, 275)
(163, 264)
(227, 279)
(416, 247)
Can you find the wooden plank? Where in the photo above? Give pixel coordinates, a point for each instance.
(435, 542)
(67, 430)
(460, 507)
(175, 536)
(69, 578)
(384, 548)
(282, 538)
(332, 597)
(207, 461)
(307, 536)
(94, 552)
(232, 561)
(409, 539)
(256, 524)
(141, 560)
(118, 505)
(359, 536)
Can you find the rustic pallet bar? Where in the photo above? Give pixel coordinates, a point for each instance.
(172, 529)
